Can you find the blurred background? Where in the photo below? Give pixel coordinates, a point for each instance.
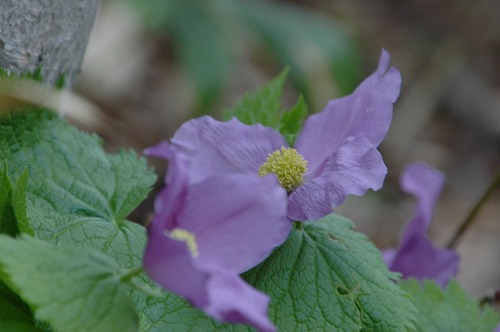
(151, 65)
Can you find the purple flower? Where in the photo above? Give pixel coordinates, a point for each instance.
(335, 154)
(417, 257)
(204, 235)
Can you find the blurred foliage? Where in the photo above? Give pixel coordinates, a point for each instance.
(207, 33)
(36, 76)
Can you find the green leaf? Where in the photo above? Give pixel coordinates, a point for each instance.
(292, 120)
(13, 218)
(323, 278)
(11, 312)
(72, 289)
(12, 307)
(328, 277)
(18, 326)
(8, 223)
(76, 193)
(262, 106)
(19, 203)
(449, 309)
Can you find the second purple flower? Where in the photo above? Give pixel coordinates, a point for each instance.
(335, 154)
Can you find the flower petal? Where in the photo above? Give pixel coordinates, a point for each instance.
(388, 255)
(214, 147)
(367, 111)
(233, 300)
(425, 183)
(172, 198)
(170, 264)
(353, 169)
(237, 219)
(419, 258)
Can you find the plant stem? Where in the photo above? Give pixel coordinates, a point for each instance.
(452, 244)
(299, 225)
(131, 273)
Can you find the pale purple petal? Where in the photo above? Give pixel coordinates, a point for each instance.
(215, 147)
(170, 264)
(171, 199)
(419, 258)
(425, 183)
(238, 220)
(354, 168)
(367, 111)
(388, 255)
(232, 300)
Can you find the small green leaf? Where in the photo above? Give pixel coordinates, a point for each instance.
(10, 312)
(19, 203)
(18, 326)
(448, 310)
(262, 106)
(292, 120)
(8, 224)
(72, 289)
(11, 302)
(76, 193)
(13, 218)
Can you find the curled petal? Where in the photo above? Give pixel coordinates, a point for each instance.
(425, 183)
(419, 258)
(353, 169)
(233, 300)
(214, 147)
(171, 199)
(367, 111)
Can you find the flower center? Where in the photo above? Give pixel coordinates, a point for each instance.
(189, 238)
(288, 165)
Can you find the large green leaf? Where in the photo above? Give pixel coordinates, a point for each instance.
(328, 277)
(76, 193)
(72, 289)
(448, 310)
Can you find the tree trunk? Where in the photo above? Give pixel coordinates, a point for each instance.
(50, 35)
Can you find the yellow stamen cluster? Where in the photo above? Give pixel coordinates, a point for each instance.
(189, 238)
(288, 165)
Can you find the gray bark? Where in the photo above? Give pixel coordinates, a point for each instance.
(47, 34)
